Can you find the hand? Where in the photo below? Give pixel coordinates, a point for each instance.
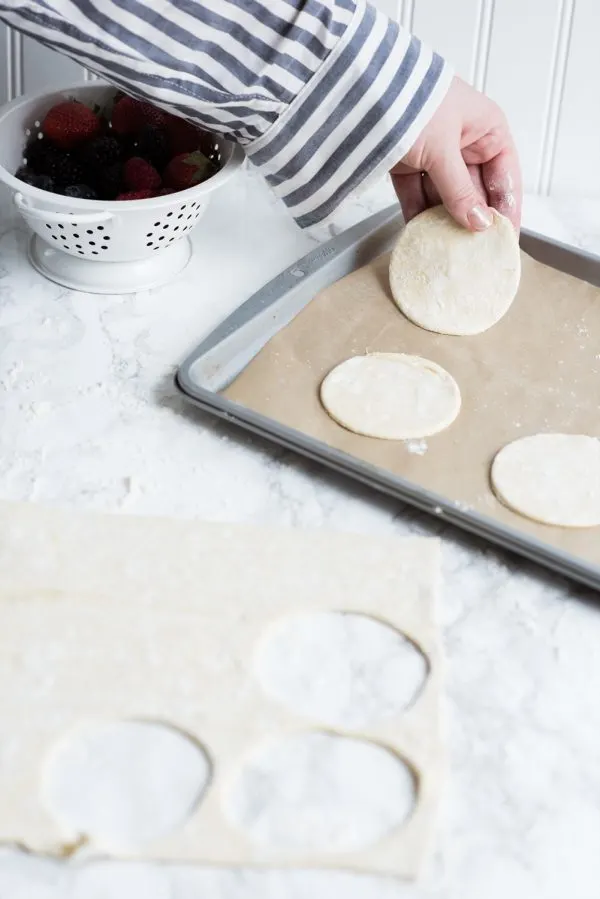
(466, 159)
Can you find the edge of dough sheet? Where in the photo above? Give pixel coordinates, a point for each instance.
(104, 573)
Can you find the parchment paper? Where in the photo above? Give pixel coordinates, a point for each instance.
(538, 370)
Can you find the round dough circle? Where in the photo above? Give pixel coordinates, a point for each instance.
(551, 478)
(392, 396)
(453, 281)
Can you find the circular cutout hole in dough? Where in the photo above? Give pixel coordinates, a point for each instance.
(321, 792)
(392, 396)
(122, 784)
(453, 281)
(551, 478)
(341, 668)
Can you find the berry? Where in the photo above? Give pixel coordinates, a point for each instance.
(42, 182)
(70, 123)
(109, 182)
(183, 136)
(101, 153)
(36, 154)
(152, 144)
(129, 116)
(137, 195)
(81, 192)
(138, 174)
(65, 168)
(187, 170)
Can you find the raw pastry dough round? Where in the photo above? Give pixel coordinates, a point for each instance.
(453, 281)
(552, 478)
(392, 396)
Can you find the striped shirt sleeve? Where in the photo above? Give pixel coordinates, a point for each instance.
(323, 94)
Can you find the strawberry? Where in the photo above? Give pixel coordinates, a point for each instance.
(187, 170)
(129, 116)
(138, 174)
(137, 195)
(183, 137)
(70, 123)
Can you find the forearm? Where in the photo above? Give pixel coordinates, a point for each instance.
(322, 94)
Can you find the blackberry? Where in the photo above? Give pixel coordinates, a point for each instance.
(109, 182)
(152, 144)
(37, 153)
(42, 182)
(63, 167)
(81, 192)
(101, 153)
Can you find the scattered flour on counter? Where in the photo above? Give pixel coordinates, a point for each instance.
(417, 447)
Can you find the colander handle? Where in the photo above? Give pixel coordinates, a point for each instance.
(60, 218)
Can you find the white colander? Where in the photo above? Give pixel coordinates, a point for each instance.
(93, 245)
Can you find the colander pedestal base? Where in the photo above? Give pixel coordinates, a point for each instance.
(92, 276)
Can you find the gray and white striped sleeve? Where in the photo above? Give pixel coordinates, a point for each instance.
(322, 94)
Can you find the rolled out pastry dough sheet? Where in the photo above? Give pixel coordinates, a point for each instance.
(128, 618)
(536, 371)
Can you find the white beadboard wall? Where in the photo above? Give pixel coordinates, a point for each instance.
(537, 58)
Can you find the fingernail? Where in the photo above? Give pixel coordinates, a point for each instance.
(480, 218)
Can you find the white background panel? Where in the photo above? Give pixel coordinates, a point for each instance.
(519, 74)
(451, 29)
(577, 160)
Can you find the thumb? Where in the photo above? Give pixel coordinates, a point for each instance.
(457, 192)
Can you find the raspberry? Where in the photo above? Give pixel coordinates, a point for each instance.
(138, 174)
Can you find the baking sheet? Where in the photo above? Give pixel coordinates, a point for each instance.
(538, 370)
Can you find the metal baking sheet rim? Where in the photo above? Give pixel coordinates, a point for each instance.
(439, 507)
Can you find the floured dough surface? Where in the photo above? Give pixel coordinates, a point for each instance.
(452, 281)
(132, 714)
(392, 396)
(552, 478)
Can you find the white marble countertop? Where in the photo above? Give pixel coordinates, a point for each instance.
(89, 418)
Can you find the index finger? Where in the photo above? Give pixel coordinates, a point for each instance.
(503, 183)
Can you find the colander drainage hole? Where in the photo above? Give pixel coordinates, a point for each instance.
(62, 227)
(78, 246)
(169, 214)
(48, 226)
